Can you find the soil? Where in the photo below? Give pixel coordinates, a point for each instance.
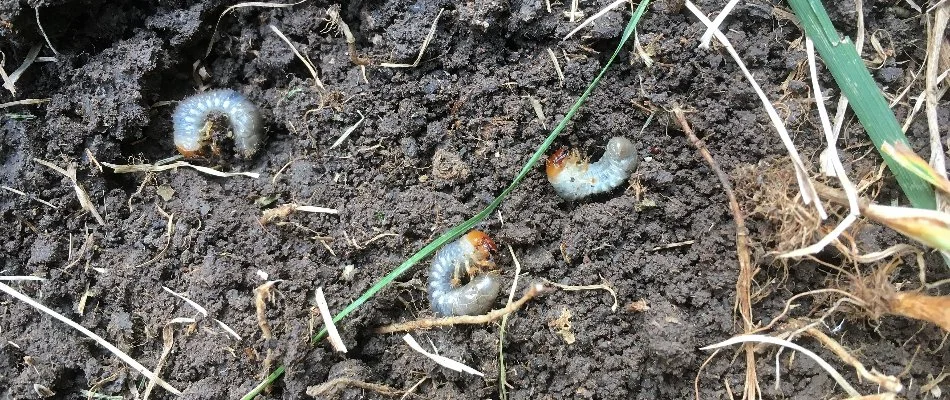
(438, 142)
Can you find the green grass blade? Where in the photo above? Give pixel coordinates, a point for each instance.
(527, 168)
(858, 86)
(263, 385)
(471, 222)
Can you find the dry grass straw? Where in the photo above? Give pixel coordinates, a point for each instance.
(711, 29)
(283, 211)
(910, 160)
(331, 388)
(98, 339)
(262, 295)
(29, 196)
(9, 81)
(348, 131)
(429, 323)
(502, 372)
(805, 186)
(748, 339)
(538, 111)
(333, 12)
(304, 59)
(21, 278)
(881, 396)
(831, 154)
(214, 33)
(84, 200)
(168, 342)
(929, 227)
(201, 310)
(24, 102)
(557, 65)
(574, 12)
(228, 329)
(422, 49)
(332, 333)
(746, 271)
(588, 21)
(441, 360)
(130, 168)
(936, 39)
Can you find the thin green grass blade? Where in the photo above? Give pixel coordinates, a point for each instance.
(464, 227)
(471, 222)
(265, 384)
(856, 84)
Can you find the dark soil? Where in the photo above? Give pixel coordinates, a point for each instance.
(438, 143)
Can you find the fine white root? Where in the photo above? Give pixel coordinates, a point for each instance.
(98, 339)
(603, 286)
(306, 61)
(194, 305)
(832, 154)
(805, 185)
(84, 200)
(125, 169)
(348, 131)
(780, 342)
(599, 14)
(422, 49)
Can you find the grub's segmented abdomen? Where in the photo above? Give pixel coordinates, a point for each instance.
(454, 262)
(575, 179)
(192, 113)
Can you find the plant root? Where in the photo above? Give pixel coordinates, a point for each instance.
(493, 315)
(746, 272)
(330, 389)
